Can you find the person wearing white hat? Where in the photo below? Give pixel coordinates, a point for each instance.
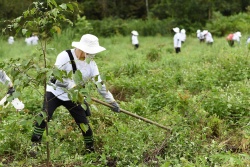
(200, 36)
(237, 36)
(234, 37)
(79, 58)
(135, 40)
(28, 41)
(34, 39)
(11, 40)
(177, 40)
(208, 37)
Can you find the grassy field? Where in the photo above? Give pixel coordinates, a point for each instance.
(202, 94)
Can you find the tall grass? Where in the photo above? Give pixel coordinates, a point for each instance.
(201, 93)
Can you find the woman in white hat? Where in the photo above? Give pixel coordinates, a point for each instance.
(177, 40)
(135, 40)
(81, 59)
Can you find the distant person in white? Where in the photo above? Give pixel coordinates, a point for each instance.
(183, 35)
(248, 40)
(28, 41)
(200, 36)
(11, 40)
(233, 37)
(237, 36)
(177, 40)
(208, 37)
(33, 40)
(135, 40)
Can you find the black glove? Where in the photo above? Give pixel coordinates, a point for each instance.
(115, 107)
(11, 90)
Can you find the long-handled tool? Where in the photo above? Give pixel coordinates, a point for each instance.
(132, 114)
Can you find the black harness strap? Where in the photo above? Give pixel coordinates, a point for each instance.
(72, 60)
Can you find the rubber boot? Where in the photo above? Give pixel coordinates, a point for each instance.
(90, 147)
(36, 141)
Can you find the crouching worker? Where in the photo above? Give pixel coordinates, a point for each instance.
(71, 60)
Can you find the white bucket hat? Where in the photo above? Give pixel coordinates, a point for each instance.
(134, 32)
(176, 29)
(238, 33)
(204, 32)
(89, 44)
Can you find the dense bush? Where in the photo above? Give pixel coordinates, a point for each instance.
(219, 25)
(222, 25)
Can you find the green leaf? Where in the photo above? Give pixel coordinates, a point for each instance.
(48, 138)
(52, 2)
(58, 74)
(24, 31)
(99, 85)
(96, 78)
(84, 127)
(77, 77)
(18, 19)
(70, 6)
(80, 98)
(88, 60)
(70, 74)
(63, 6)
(26, 63)
(39, 119)
(25, 13)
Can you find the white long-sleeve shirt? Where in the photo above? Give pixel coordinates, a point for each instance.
(177, 40)
(183, 37)
(135, 40)
(236, 37)
(209, 38)
(88, 70)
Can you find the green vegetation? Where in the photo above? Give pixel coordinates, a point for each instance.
(159, 16)
(201, 93)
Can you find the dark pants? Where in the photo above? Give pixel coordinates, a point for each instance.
(231, 43)
(76, 110)
(177, 50)
(202, 40)
(136, 46)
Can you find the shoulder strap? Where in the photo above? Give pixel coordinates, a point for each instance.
(72, 60)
